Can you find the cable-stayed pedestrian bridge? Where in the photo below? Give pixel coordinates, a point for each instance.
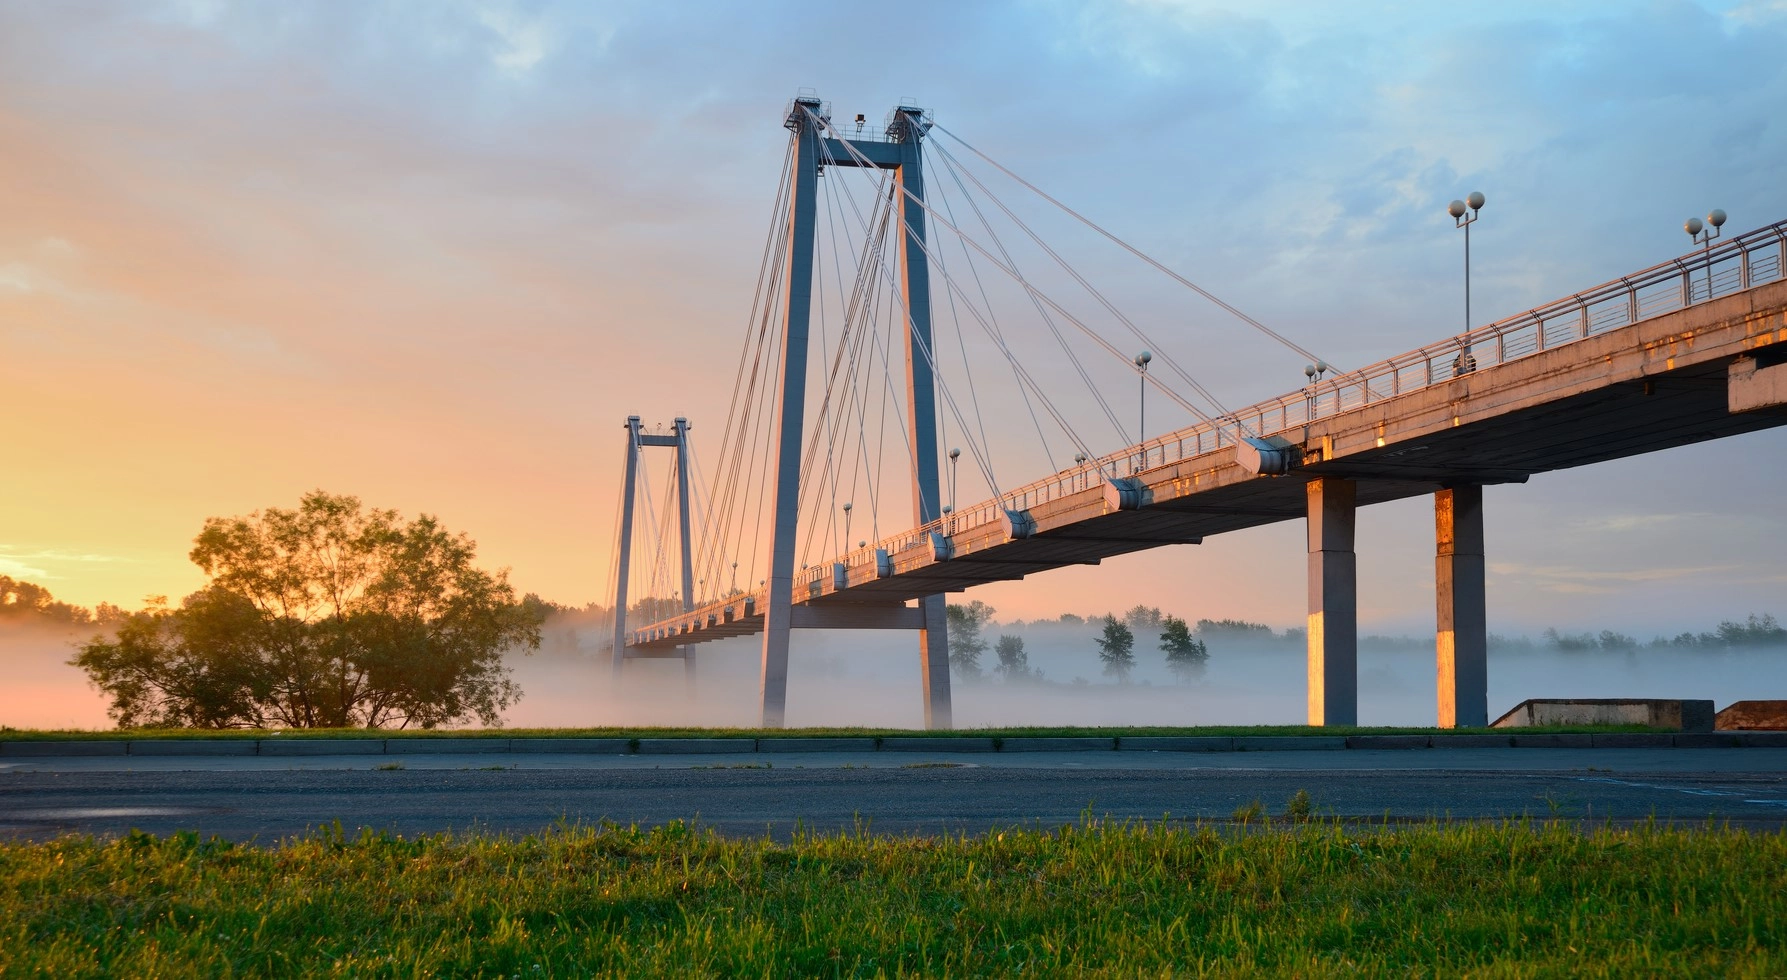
(1690, 349)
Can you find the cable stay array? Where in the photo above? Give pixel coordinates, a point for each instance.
(1034, 366)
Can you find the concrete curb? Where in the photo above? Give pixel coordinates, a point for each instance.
(816, 745)
(1289, 743)
(1177, 743)
(1044, 744)
(586, 746)
(941, 744)
(194, 746)
(1707, 740)
(1554, 741)
(1634, 740)
(1389, 741)
(286, 747)
(445, 746)
(63, 750)
(695, 746)
(1472, 741)
(317, 746)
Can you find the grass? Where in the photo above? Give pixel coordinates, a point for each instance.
(1132, 731)
(1301, 899)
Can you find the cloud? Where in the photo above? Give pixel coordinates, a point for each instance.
(1575, 580)
(17, 568)
(1622, 523)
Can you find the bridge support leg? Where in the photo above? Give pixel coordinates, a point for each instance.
(933, 661)
(688, 553)
(625, 545)
(1333, 604)
(921, 406)
(1462, 646)
(797, 307)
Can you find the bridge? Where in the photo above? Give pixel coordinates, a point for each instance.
(1691, 349)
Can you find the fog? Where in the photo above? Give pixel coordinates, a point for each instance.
(871, 679)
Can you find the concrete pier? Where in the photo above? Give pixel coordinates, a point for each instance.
(1333, 603)
(1461, 654)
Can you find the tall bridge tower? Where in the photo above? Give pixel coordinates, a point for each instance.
(900, 152)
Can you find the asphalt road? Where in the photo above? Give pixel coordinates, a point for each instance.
(265, 799)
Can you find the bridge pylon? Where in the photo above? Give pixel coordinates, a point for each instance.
(637, 440)
(900, 152)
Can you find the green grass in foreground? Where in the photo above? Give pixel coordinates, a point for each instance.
(1053, 731)
(1091, 900)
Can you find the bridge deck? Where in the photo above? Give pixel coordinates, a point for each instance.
(1654, 384)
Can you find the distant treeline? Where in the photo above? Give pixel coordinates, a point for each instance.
(1756, 631)
(26, 602)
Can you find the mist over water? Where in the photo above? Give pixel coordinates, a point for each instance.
(871, 679)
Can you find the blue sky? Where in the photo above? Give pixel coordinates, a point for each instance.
(433, 254)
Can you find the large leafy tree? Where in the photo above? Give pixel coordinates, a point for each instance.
(329, 615)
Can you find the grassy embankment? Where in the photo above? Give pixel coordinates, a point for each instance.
(1050, 731)
(1306, 900)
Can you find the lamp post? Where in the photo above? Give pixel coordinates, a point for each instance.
(847, 523)
(954, 454)
(1473, 203)
(1141, 366)
(1314, 373)
(1704, 235)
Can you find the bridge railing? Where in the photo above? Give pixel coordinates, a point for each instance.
(1730, 266)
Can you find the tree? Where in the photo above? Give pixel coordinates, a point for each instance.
(1014, 663)
(1757, 631)
(22, 601)
(965, 644)
(329, 615)
(1233, 629)
(1116, 648)
(1142, 617)
(1186, 655)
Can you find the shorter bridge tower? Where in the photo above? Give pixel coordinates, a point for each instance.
(637, 440)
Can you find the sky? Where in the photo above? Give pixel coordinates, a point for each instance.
(433, 255)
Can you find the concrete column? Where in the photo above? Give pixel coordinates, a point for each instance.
(933, 661)
(1462, 646)
(1333, 604)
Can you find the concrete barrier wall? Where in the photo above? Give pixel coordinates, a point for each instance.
(1680, 715)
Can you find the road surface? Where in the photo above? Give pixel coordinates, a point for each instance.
(266, 799)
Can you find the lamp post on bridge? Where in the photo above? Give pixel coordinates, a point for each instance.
(1466, 363)
(1703, 235)
(954, 454)
(1314, 373)
(1141, 366)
